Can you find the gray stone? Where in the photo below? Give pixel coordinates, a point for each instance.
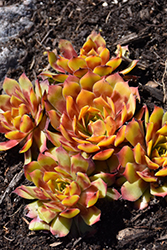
(13, 19)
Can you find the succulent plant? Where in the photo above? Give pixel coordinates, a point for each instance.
(22, 115)
(93, 56)
(86, 113)
(144, 162)
(99, 142)
(63, 192)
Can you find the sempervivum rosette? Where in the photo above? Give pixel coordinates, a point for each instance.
(63, 193)
(22, 116)
(86, 113)
(145, 161)
(93, 56)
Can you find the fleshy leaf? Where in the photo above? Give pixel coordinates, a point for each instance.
(114, 63)
(120, 137)
(108, 140)
(70, 200)
(101, 186)
(103, 70)
(130, 67)
(76, 63)
(28, 168)
(93, 61)
(114, 78)
(5, 104)
(46, 214)
(102, 87)
(15, 135)
(85, 98)
(30, 192)
(125, 155)
(74, 188)
(70, 213)
(79, 164)
(10, 86)
(156, 117)
(151, 164)
(88, 147)
(60, 226)
(113, 194)
(71, 87)
(67, 49)
(162, 172)
(139, 153)
(52, 59)
(103, 155)
(146, 176)
(89, 197)
(159, 191)
(88, 80)
(83, 180)
(8, 144)
(27, 145)
(62, 63)
(54, 138)
(25, 84)
(133, 191)
(163, 130)
(56, 98)
(54, 118)
(37, 224)
(134, 134)
(63, 158)
(91, 215)
(143, 201)
(26, 124)
(130, 172)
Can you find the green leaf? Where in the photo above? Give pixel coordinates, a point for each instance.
(133, 191)
(60, 226)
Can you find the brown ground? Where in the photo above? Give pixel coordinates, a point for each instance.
(142, 25)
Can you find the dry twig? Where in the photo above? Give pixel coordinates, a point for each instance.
(8, 238)
(163, 82)
(47, 34)
(15, 211)
(108, 16)
(16, 179)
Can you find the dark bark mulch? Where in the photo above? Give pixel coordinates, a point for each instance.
(141, 25)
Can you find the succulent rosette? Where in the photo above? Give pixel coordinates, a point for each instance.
(145, 160)
(86, 113)
(22, 116)
(63, 192)
(93, 56)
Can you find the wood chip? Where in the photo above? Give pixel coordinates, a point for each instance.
(127, 232)
(55, 244)
(154, 92)
(152, 84)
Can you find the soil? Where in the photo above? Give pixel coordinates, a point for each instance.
(141, 24)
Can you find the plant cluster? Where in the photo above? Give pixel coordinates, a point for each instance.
(82, 139)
